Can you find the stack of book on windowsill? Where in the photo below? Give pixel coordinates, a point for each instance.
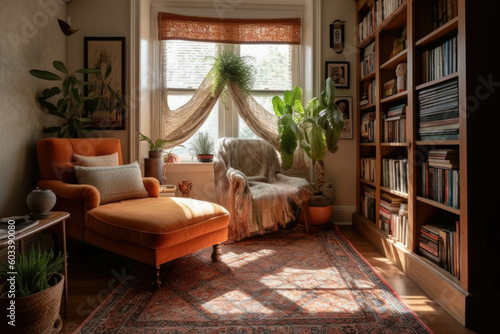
(438, 112)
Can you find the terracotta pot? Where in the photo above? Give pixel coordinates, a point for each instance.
(205, 157)
(37, 313)
(40, 202)
(320, 216)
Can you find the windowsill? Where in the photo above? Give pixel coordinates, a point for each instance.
(190, 166)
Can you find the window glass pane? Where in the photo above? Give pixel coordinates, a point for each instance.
(177, 99)
(273, 63)
(265, 101)
(187, 62)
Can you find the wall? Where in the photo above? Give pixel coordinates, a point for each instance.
(98, 18)
(340, 168)
(30, 38)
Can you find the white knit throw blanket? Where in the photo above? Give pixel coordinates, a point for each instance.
(248, 184)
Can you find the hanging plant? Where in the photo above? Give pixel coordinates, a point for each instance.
(229, 67)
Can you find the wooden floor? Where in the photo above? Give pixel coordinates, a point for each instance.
(93, 274)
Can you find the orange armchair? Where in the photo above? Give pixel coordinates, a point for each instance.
(151, 229)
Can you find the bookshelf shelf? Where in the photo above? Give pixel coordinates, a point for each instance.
(437, 81)
(395, 60)
(432, 143)
(438, 205)
(394, 192)
(446, 29)
(394, 97)
(395, 144)
(437, 142)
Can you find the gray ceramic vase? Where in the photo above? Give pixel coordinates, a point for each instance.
(40, 202)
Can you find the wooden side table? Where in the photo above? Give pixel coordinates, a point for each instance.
(56, 217)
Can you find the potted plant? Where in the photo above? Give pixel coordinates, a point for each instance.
(314, 129)
(155, 147)
(34, 293)
(203, 147)
(73, 106)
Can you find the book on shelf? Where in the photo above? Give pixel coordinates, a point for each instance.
(441, 183)
(440, 61)
(384, 8)
(394, 120)
(368, 93)
(438, 111)
(368, 127)
(395, 174)
(368, 169)
(21, 224)
(368, 203)
(439, 242)
(443, 11)
(389, 88)
(368, 61)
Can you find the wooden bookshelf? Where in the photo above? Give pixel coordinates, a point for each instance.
(465, 292)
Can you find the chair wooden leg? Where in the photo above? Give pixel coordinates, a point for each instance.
(156, 277)
(216, 253)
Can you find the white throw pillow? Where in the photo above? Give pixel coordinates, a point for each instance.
(107, 160)
(114, 183)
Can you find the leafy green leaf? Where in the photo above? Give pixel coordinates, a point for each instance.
(278, 106)
(318, 144)
(49, 92)
(45, 75)
(59, 65)
(108, 71)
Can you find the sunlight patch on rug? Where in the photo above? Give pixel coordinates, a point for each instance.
(285, 282)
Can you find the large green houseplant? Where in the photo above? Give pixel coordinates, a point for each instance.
(34, 293)
(314, 128)
(73, 106)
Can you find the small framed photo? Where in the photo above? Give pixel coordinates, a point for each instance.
(339, 72)
(344, 104)
(108, 55)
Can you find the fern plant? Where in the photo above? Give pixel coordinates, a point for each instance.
(229, 67)
(35, 271)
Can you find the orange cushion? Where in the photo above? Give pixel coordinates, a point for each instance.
(157, 222)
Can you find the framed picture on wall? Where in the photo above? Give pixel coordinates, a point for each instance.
(344, 104)
(108, 55)
(339, 72)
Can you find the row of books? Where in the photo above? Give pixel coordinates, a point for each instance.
(368, 169)
(395, 174)
(376, 15)
(368, 127)
(368, 94)
(391, 220)
(368, 203)
(438, 111)
(440, 176)
(395, 124)
(368, 62)
(440, 61)
(443, 11)
(440, 244)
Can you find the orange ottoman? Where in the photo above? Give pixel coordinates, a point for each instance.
(157, 230)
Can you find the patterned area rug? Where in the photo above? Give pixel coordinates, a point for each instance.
(285, 282)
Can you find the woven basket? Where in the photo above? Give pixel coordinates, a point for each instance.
(37, 313)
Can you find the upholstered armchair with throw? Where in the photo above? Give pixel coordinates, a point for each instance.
(250, 186)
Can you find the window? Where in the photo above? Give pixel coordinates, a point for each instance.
(188, 62)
